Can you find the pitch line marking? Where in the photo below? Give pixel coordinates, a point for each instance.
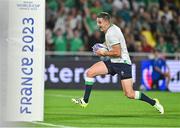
(52, 125)
(46, 124)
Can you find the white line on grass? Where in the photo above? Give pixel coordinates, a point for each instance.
(45, 124)
(52, 125)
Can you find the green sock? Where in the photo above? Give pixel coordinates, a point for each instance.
(89, 84)
(141, 96)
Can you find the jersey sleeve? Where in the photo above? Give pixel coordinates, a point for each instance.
(113, 39)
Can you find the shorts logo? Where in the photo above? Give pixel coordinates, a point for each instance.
(122, 73)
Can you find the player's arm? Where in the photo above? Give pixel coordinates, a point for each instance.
(155, 66)
(167, 74)
(158, 69)
(114, 52)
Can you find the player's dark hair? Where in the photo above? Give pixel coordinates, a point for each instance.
(104, 15)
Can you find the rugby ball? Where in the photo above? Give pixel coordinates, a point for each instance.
(99, 46)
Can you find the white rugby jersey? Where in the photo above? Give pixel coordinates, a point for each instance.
(114, 36)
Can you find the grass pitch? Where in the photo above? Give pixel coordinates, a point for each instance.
(108, 109)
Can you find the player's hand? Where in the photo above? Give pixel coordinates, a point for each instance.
(100, 47)
(100, 52)
(166, 74)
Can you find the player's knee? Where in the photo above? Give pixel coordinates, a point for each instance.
(90, 73)
(129, 95)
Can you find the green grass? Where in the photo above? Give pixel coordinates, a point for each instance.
(109, 109)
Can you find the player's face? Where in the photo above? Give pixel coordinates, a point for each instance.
(102, 24)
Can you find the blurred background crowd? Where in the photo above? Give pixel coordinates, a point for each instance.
(146, 24)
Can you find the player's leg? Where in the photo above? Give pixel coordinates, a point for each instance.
(125, 72)
(155, 84)
(98, 68)
(167, 78)
(130, 93)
